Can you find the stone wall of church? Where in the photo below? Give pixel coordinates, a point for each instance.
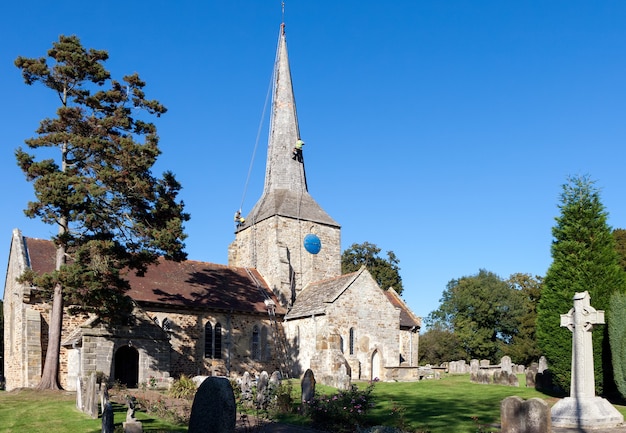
(409, 345)
(375, 321)
(302, 335)
(187, 339)
(365, 309)
(275, 248)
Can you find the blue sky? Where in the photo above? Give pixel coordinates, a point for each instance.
(442, 131)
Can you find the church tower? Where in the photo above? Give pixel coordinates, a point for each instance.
(286, 227)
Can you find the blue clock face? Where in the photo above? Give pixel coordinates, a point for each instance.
(312, 243)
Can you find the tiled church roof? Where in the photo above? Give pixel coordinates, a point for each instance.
(316, 296)
(407, 318)
(190, 284)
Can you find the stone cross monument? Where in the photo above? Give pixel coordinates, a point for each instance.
(582, 408)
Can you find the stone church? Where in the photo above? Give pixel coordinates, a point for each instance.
(281, 303)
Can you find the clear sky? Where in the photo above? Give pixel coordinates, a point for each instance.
(440, 130)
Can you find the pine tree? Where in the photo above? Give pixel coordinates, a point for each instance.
(113, 216)
(583, 259)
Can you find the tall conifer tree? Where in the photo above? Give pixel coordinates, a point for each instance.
(113, 216)
(583, 259)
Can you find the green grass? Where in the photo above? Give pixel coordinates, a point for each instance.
(31, 411)
(452, 404)
(434, 406)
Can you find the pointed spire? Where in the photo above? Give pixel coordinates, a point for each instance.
(282, 172)
(285, 191)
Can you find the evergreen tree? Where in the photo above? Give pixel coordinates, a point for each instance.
(113, 216)
(583, 259)
(617, 337)
(386, 272)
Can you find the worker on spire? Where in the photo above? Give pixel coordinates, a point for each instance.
(297, 150)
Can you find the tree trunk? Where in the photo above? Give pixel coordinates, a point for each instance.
(50, 373)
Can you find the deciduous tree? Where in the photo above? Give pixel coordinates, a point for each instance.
(523, 347)
(583, 259)
(439, 345)
(113, 215)
(386, 272)
(483, 312)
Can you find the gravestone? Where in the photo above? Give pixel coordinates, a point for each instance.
(90, 404)
(474, 368)
(107, 418)
(262, 391)
(531, 372)
(582, 408)
(246, 387)
(519, 416)
(308, 386)
(506, 366)
(543, 364)
(79, 394)
(214, 409)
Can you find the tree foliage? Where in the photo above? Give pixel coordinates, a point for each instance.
(617, 336)
(482, 311)
(583, 259)
(523, 347)
(438, 345)
(386, 272)
(113, 215)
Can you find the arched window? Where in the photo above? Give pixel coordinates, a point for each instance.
(341, 343)
(166, 325)
(265, 347)
(208, 340)
(217, 342)
(351, 342)
(256, 343)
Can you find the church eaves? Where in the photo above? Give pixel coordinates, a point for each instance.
(285, 192)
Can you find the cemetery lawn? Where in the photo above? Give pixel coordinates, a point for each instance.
(451, 404)
(32, 411)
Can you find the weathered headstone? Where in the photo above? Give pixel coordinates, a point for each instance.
(246, 387)
(582, 408)
(214, 409)
(506, 366)
(519, 416)
(543, 364)
(262, 391)
(531, 372)
(344, 381)
(308, 386)
(79, 394)
(474, 368)
(90, 404)
(107, 418)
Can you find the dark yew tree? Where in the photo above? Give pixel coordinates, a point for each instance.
(113, 215)
(584, 258)
(386, 272)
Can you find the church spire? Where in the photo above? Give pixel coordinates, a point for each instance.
(285, 190)
(283, 172)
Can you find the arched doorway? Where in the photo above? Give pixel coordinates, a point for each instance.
(127, 366)
(375, 365)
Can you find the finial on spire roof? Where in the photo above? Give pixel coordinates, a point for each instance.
(283, 8)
